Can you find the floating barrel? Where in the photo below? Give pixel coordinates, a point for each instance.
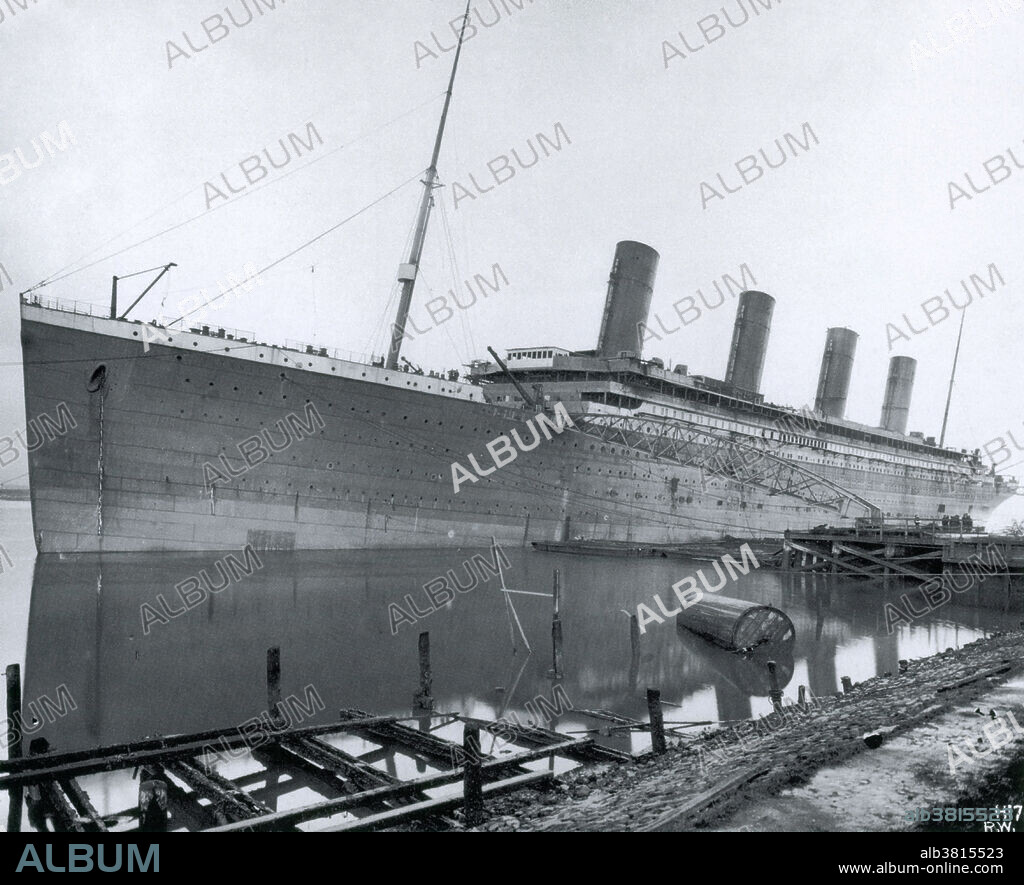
(735, 623)
(741, 675)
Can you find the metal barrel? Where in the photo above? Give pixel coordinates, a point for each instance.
(735, 623)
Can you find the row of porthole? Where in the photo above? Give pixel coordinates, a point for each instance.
(387, 500)
(383, 414)
(309, 364)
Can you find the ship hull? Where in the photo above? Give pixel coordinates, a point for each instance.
(159, 458)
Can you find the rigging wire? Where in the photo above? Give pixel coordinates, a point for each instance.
(467, 327)
(305, 245)
(381, 333)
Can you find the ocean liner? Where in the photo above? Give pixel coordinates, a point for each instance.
(211, 440)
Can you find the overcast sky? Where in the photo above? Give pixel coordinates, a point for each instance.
(855, 231)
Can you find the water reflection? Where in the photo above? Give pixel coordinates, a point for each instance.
(329, 615)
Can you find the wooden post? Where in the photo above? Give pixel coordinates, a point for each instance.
(657, 721)
(14, 748)
(274, 683)
(423, 701)
(152, 806)
(774, 692)
(634, 656)
(847, 685)
(802, 695)
(472, 777)
(556, 629)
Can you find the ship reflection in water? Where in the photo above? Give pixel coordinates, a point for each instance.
(329, 615)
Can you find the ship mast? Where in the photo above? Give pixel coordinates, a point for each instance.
(407, 272)
(952, 376)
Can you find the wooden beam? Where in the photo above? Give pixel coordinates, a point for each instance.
(536, 737)
(994, 671)
(231, 736)
(235, 803)
(608, 716)
(14, 748)
(433, 749)
(343, 775)
(490, 770)
(891, 564)
(701, 801)
(34, 769)
(83, 805)
(397, 816)
(846, 566)
(65, 816)
(187, 810)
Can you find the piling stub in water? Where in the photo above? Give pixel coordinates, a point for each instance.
(736, 624)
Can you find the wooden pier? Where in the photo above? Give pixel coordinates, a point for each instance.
(180, 788)
(892, 548)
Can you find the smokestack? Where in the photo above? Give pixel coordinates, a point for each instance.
(836, 368)
(898, 389)
(628, 303)
(750, 340)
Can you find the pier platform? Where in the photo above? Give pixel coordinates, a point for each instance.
(902, 548)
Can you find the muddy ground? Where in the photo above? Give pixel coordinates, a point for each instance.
(815, 771)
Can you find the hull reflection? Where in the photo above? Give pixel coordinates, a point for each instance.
(329, 614)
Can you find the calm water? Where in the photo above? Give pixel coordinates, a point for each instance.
(76, 622)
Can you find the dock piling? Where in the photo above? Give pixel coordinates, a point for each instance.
(472, 777)
(14, 746)
(153, 806)
(802, 695)
(847, 685)
(774, 692)
(556, 628)
(657, 721)
(274, 683)
(423, 700)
